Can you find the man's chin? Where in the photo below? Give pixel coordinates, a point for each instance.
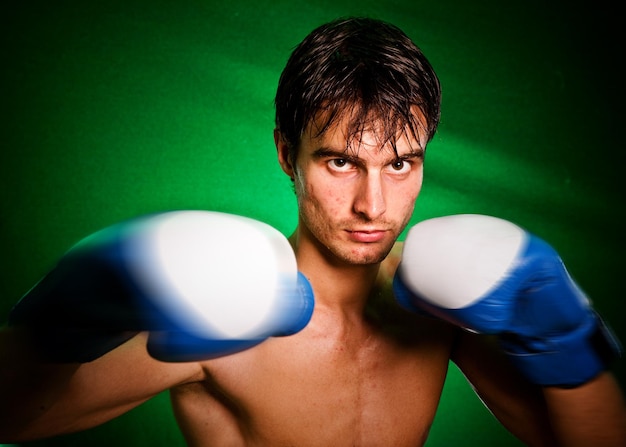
(365, 255)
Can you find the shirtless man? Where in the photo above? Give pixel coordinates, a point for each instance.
(356, 106)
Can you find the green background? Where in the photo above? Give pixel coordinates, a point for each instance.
(112, 109)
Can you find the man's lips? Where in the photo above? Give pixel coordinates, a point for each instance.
(366, 235)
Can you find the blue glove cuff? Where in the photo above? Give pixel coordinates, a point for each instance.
(567, 361)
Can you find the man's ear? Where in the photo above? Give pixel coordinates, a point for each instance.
(282, 149)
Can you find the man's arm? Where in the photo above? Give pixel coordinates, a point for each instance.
(590, 414)
(195, 285)
(489, 276)
(40, 400)
(593, 413)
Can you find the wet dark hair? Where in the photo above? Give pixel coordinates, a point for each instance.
(364, 67)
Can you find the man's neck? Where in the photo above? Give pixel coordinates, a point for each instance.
(338, 285)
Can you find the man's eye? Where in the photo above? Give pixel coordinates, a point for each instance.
(339, 164)
(400, 166)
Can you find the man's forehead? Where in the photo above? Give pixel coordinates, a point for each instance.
(356, 127)
(343, 135)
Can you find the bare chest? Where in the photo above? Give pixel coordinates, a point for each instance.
(317, 390)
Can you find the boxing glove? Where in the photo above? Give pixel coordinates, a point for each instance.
(489, 276)
(205, 284)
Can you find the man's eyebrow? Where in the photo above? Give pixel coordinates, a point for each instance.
(413, 153)
(325, 152)
(328, 152)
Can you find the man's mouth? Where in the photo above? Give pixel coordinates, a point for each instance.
(366, 235)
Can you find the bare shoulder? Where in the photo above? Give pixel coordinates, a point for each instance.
(390, 264)
(381, 295)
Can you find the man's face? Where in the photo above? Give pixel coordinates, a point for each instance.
(354, 203)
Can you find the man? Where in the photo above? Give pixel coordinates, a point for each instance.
(356, 106)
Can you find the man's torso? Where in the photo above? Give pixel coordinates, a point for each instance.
(374, 382)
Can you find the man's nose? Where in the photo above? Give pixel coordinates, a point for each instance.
(369, 201)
